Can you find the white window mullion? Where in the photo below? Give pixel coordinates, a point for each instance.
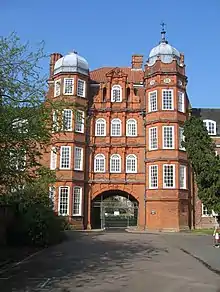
(115, 163)
(65, 157)
(68, 88)
(182, 176)
(152, 101)
(53, 158)
(78, 158)
(63, 205)
(168, 137)
(131, 164)
(77, 201)
(169, 176)
(167, 99)
(67, 120)
(153, 177)
(181, 102)
(153, 140)
(79, 121)
(81, 88)
(57, 87)
(181, 138)
(100, 127)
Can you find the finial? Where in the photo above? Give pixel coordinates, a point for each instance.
(163, 33)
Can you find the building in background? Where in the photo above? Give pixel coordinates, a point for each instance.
(118, 155)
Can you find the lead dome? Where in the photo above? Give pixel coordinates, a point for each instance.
(72, 63)
(164, 51)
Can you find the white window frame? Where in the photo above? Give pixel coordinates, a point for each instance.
(119, 159)
(207, 123)
(80, 201)
(52, 195)
(131, 125)
(116, 121)
(182, 167)
(81, 160)
(59, 200)
(83, 94)
(99, 157)
(173, 138)
(133, 157)
(98, 124)
(151, 167)
(172, 100)
(61, 148)
(64, 86)
(174, 176)
(53, 158)
(151, 108)
(77, 123)
(116, 87)
(70, 122)
(55, 126)
(205, 212)
(57, 87)
(181, 102)
(151, 130)
(181, 138)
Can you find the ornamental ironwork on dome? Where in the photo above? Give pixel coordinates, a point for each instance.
(71, 63)
(164, 51)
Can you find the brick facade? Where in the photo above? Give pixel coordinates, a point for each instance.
(161, 207)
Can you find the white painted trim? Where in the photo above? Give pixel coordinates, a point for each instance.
(174, 176)
(95, 158)
(135, 157)
(68, 201)
(96, 123)
(149, 133)
(163, 90)
(69, 157)
(84, 88)
(64, 87)
(53, 158)
(173, 137)
(119, 156)
(80, 205)
(184, 173)
(119, 87)
(149, 104)
(71, 120)
(136, 128)
(150, 181)
(83, 123)
(81, 161)
(112, 122)
(55, 83)
(206, 122)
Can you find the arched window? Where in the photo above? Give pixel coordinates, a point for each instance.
(115, 163)
(210, 126)
(116, 94)
(99, 163)
(100, 127)
(131, 127)
(104, 94)
(131, 163)
(116, 127)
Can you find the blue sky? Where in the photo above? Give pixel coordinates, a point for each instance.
(109, 32)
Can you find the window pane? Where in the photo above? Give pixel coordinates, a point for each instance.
(168, 176)
(181, 138)
(65, 157)
(153, 101)
(115, 163)
(116, 128)
(53, 159)
(167, 99)
(67, 120)
(77, 200)
(57, 88)
(81, 88)
(79, 122)
(131, 128)
(181, 101)
(78, 158)
(116, 93)
(182, 176)
(168, 139)
(99, 163)
(153, 176)
(153, 138)
(131, 164)
(100, 127)
(63, 201)
(68, 86)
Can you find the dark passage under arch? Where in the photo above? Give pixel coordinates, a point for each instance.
(114, 209)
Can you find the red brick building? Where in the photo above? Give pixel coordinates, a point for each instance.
(118, 155)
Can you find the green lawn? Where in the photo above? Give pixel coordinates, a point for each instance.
(203, 231)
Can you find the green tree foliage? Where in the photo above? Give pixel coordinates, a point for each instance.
(206, 165)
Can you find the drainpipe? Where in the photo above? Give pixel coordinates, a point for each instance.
(143, 113)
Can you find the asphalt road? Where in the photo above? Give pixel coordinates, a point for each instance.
(113, 261)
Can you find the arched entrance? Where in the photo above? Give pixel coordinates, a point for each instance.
(114, 209)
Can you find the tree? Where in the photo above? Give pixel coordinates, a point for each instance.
(24, 115)
(205, 164)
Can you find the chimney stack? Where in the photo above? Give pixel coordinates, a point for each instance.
(137, 62)
(53, 58)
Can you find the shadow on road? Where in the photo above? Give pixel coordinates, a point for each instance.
(83, 253)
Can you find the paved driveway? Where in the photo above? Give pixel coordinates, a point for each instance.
(112, 262)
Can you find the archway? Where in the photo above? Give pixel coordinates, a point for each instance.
(114, 209)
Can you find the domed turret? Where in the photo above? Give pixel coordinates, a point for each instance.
(72, 63)
(165, 52)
